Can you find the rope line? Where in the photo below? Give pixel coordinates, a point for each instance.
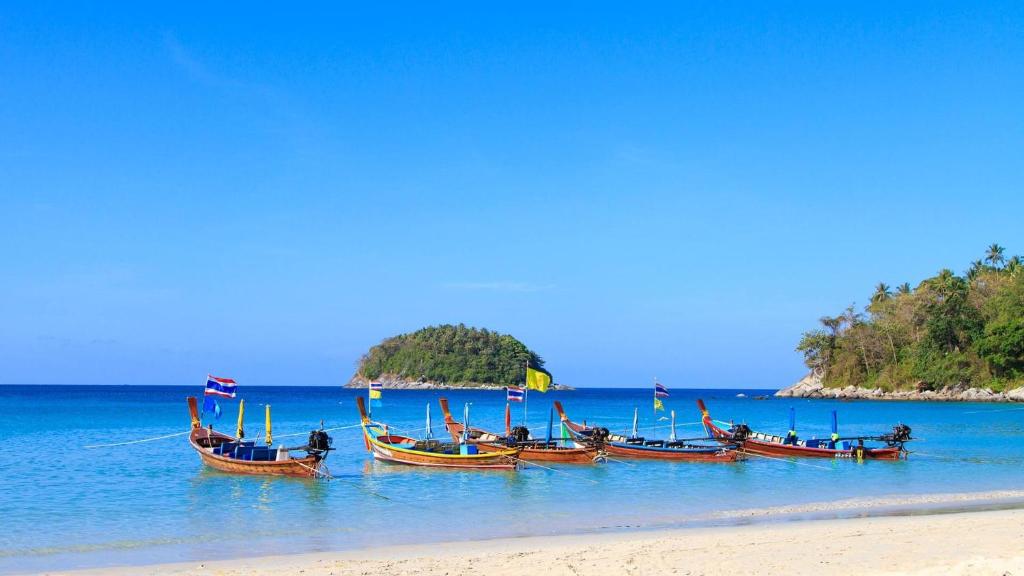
(788, 460)
(529, 463)
(188, 431)
(138, 441)
(325, 430)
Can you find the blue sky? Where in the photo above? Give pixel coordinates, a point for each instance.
(677, 191)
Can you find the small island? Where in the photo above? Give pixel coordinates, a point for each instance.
(951, 337)
(447, 356)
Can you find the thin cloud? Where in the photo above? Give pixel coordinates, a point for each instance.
(499, 286)
(191, 65)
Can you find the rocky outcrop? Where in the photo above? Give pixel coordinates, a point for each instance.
(811, 386)
(396, 382)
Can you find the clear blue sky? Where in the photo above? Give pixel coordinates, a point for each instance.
(674, 192)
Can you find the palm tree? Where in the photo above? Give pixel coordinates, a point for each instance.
(976, 267)
(851, 316)
(833, 324)
(904, 288)
(1013, 265)
(853, 321)
(995, 255)
(882, 293)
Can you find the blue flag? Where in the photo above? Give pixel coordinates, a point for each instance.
(210, 405)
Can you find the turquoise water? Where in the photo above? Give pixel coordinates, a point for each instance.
(65, 506)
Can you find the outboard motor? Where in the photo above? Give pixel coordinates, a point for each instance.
(599, 436)
(319, 441)
(739, 432)
(518, 434)
(900, 434)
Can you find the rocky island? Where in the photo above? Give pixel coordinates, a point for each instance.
(952, 337)
(447, 356)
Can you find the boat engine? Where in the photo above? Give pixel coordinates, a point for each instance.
(599, 436)
(739, 432)
(319, 441)
(900, 434)
(518, 434)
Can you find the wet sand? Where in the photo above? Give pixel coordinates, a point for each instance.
(964, 543)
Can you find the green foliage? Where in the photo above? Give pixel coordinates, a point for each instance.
(451, 355)
(948, 331)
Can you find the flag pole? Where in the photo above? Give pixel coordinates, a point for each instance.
(430, 431)
(654, 405)
(203, 413)
(526, 392)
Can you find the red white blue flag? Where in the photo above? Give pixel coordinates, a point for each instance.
(660, 391)
(513, 394)
(223, 387)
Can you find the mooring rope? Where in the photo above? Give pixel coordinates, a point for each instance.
(325, 430)
(319, 470)
(138, 441)
(530, 463)
(188, 431)
(788, 460)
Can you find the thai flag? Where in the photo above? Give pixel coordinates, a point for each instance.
(376, 386)
(660, 391)
(513, 394)
(223, 387)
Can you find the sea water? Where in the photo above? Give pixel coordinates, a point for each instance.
(63, 505)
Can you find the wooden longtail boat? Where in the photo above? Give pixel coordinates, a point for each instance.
(641, 448)
(790, 445)
(404, 450)
(233, 454)
(549, 450)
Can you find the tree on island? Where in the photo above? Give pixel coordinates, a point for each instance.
(948, 331)
(450, 355)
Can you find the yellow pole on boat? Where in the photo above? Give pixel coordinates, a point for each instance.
(270, 439)
(240, 432)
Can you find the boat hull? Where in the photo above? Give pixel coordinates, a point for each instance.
(779, 449)
(679, 455)
(562, 455)
(307, 467)
(558, 454)
(404, 450)
(623, 450)
(763, 448)
(493, 461)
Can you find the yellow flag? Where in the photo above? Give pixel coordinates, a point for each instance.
(537, 379)
(374, 394)
(658, 405)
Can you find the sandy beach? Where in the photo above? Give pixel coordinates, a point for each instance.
(975, 543)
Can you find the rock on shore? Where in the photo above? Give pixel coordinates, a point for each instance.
(811, 386)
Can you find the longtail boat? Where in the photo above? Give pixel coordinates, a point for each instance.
(565, 450)
(429, 452)
(791, 445)
(635, 446)
(233, 454)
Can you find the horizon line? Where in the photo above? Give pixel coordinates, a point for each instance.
(342, 386)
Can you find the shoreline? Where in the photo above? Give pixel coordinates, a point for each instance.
(812, 386)
(962, 543)
(921, 520)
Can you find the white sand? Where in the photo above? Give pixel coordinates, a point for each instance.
(975, 543)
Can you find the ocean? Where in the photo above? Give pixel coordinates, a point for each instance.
(65, 506)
